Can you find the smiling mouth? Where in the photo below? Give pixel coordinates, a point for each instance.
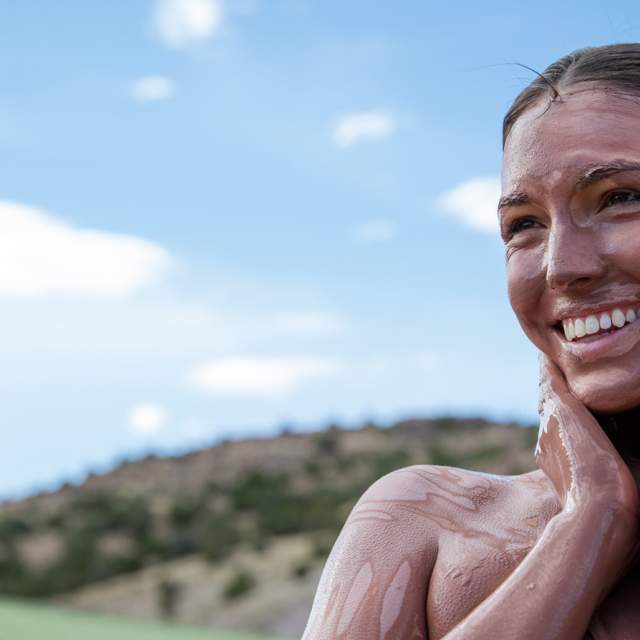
(592, 326)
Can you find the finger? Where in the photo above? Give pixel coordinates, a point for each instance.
(558, 405)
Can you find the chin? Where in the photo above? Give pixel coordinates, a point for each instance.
(611, 391)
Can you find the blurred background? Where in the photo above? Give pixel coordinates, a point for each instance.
(249, 263)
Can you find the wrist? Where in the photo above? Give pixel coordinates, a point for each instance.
(604, 487)
(609, 517)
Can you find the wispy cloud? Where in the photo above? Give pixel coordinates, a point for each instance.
(152, 88)
(374, 231)
(181, 23)
(364, 125)
(258, 376)
(41, 254)
(147, 418)
(474, 202)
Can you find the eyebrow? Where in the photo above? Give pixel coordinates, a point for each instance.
(602, 171)
(513, 200)
(590, 176)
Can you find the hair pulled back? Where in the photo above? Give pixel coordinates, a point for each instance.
(615, 66)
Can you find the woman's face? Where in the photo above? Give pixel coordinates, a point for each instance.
(570, 218)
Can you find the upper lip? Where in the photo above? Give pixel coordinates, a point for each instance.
(564, 312)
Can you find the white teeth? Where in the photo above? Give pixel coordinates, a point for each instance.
(618, 319)
(605, 321)
(591, 325)
(569, 331)
(580, 327)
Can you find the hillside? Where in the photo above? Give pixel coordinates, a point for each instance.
(231, 536)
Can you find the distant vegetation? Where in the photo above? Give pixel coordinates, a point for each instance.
(111, 526)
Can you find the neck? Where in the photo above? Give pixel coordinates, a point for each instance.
(623, 430)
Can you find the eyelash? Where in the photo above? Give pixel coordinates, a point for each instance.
(606, 201)
(517, 225)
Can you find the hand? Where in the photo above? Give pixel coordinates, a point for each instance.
(574, 451)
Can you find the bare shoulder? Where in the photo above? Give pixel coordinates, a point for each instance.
(384, 558)
(441, 499)
(374, 582)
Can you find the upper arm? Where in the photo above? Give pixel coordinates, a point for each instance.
(374, 583)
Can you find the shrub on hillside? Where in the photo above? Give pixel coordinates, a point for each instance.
(239, 584)
(328, 442)
(169, 592)
(300, 568)
(217, 536)
(322, 545)
(440, 454)
(185, 511)
(386, 461)
(13, 572)
(103, 511)
(12, 527)
(180, 541)
(254, 488)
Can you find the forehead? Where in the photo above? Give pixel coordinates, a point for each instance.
(554, 141)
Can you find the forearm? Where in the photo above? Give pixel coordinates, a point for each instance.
(555, 590)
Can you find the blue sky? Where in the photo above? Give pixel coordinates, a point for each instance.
(219, 217)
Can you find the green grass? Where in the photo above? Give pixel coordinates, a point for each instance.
(21, 621)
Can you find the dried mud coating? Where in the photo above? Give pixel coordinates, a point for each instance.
(463, 532)
(450, 537)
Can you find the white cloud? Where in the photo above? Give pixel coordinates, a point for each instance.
(147, 418)
(258, 375)
(180, 23)
(364, 125)
(474, 202)
(308, 323)
(109, 328)
(41, 254)
(152, 88)
(374, 231)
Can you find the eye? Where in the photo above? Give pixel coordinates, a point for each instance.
(521, 224)
(621, 196)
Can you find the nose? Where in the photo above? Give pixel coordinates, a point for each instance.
(574, 260)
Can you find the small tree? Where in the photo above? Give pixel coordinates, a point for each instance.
(300, 568)
(239, 584)
(217, 536)
(168, 595)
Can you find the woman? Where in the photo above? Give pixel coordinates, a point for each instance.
(434, 552)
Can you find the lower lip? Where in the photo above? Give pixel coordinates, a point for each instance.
(605, 345)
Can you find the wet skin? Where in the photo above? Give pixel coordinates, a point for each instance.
(435, 552)
(574, 246)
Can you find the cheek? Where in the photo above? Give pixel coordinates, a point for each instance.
(609, 386)
(526, 285)
(621, 244)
